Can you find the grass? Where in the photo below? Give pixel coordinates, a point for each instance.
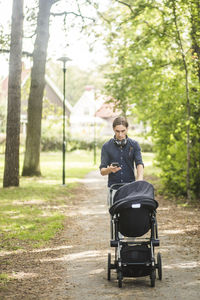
(32, 214)
(4, 279)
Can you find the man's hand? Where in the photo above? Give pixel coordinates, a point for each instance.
(114, 169)
(109, 169)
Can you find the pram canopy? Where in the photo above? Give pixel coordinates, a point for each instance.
(134, 195)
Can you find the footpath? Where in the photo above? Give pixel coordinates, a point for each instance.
(86, 259)
(74, 266)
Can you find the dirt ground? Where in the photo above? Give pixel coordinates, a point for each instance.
(74, 265)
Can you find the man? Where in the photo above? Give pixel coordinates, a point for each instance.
(124, 151)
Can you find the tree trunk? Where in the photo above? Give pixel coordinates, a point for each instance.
(31, 165)
(195, 27)
(11, 170)
(187, 102)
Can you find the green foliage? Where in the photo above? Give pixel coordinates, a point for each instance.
(150, 55)
(77, 144)
(50, 143)
(4, 279)
(52, 139)
(146, 147)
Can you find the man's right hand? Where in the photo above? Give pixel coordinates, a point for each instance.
(114, 169)
(109, 169)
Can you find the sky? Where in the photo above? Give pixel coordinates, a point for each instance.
(78, 43)
(73, 44)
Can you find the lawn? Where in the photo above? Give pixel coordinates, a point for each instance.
(32, 214)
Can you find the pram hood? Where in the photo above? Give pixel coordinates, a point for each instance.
(134, 194)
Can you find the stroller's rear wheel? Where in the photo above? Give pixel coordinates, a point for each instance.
(159, 265)
(109, 266)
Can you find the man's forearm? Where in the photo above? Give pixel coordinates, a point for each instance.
(105, 171)
(109, 169)
(140, 172)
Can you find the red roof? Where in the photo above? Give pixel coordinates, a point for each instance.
(107, 111)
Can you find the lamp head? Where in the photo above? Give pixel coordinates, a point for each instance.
(64, 59)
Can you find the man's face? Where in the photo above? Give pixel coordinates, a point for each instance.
(120, 132)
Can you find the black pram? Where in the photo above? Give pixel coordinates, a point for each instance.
(133, 214)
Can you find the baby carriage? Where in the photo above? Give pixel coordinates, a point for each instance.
(133, 217)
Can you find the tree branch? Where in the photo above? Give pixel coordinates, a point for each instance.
(126, 4)
(65, 13)
(25, 53)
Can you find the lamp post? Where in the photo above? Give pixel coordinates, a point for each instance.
(64, 59)
(95, 140)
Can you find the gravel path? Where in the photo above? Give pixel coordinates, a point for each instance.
(86, 260)
(74, 265)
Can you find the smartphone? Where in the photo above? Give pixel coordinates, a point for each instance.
(115, 164)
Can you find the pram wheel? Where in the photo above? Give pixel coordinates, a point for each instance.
(159, 266)
(119, 277)
(153, 277)
(109, 266)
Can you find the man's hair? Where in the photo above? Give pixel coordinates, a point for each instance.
(120, 121)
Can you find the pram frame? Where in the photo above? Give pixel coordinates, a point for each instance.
(118, 242)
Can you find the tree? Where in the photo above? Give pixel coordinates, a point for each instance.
(32, 154)
(185, 64)
(31, 165)
(154, 48)
(11, 170)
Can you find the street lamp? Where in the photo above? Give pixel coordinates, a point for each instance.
(64, 59)
(95, 139)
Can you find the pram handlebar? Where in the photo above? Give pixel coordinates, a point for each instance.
(112, 187)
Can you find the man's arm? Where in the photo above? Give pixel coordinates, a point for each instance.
(105, 167)
(140, 172)
(109, 169)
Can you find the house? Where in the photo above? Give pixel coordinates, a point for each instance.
(83, 121)
(51, 93)
(93, 111)
(54, 95)
(108, 113)
(90, 115)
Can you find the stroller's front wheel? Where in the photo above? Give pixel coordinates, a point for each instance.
(119, 277)
(153, 277)
(109, 266)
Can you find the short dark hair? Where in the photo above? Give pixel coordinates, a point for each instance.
(120, 121)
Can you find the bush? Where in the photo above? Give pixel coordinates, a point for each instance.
(51, 143)
(55, 144)
(146, 147)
